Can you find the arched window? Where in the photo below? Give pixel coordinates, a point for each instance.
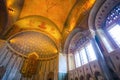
(81, 50)
(112, 26)
(107, 29)
(85, 54)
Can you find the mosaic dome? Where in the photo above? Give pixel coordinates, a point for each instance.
(33, 41)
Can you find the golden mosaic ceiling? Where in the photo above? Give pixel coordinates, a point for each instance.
(33, 41)
(64, 13)
(56, 10)
(54, 18)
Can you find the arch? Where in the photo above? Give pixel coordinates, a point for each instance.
(93, 13)
(39, 18)
(97, 23)
(112, 25)
(78, 40)
(36, 23)
(68, 40)
(75, 40)
(77, 13)
(103, 12)
(99, 13)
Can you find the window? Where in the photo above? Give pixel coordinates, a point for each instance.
(83, 57)
(113, 27)
(105, 41)
(90, 52)
(85, 54)
(115, 33)
(77, 59)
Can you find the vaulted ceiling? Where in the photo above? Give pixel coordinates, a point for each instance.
(54, 18)
(55, 10)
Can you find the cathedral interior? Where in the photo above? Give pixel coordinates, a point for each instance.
(59, 40)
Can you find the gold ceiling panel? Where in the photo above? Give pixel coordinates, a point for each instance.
(56, 10)
(79, 11)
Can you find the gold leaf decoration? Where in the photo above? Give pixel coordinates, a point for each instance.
(30, 65)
